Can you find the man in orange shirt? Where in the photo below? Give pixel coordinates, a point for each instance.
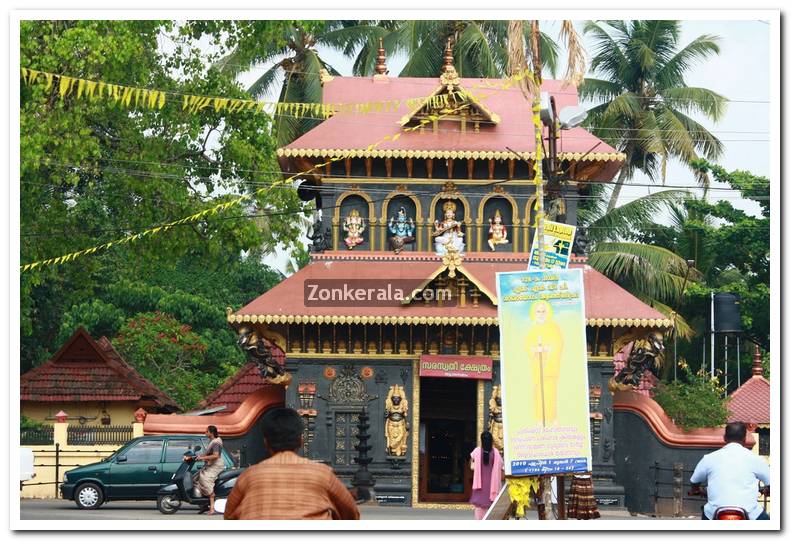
(287, 486)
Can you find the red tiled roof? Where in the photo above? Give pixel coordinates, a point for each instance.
(750, 402)
(246, 381)
(360, 131)
(604, 299)
(84, 370)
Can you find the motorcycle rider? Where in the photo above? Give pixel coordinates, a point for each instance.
(732, 474)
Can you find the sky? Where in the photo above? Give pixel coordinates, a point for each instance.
(740, 73)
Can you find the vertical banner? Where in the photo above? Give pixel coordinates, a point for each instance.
(558, 240)
(544, 372)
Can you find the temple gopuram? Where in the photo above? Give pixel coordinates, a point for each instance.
(441, 208)
(397, 310)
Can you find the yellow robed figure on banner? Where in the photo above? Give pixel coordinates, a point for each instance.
(544, 346)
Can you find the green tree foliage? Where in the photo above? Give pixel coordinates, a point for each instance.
(480, 48)
(731, 252)
(93, 172)
(695, 401)
(170, 355)
(643, 102)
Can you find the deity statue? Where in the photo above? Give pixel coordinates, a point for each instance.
(498, 234)
(396, 426)
(496, 418)
(646, 355)
(403, 230)
(258, 351)
(448, 231)
(353, 225)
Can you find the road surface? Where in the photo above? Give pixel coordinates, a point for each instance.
(51, 509)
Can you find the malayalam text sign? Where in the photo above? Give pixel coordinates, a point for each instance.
(558, 239)
(544, 372)
(455, 366)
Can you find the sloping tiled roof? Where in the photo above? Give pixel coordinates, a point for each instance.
(606, 303)
(750, 402)
(84, 370)
(246, 381)
(344, 133)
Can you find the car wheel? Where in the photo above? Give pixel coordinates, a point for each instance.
(168, 504)
(88, 496)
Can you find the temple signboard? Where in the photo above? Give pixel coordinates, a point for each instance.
(544, 373)
(558, 239)
(455, 366)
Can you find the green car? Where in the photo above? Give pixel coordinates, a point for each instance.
(136, 471)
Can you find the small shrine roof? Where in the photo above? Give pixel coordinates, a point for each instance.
(242, 384)
(87, 370)
(347, 133)
(606, 304)
(750, 402)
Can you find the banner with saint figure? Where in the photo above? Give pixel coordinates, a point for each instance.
(544, 372)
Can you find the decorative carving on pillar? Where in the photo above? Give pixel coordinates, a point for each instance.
(258, 351)
(646, 354)
(307, 395)
(496, 418)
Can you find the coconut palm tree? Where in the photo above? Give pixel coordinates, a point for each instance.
(644, 103)
(655, 274)
(480, 48)
(296, 65)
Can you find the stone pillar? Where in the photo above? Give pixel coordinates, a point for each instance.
(61, 428)
(608, 493)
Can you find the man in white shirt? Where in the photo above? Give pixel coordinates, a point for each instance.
(732, 474)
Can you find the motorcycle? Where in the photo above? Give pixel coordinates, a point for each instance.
(183, 489)
(729, 512)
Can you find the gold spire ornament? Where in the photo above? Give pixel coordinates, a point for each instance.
(381, 67)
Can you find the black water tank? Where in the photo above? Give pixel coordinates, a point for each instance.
(727, 313)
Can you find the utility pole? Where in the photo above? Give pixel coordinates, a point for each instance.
(530, 85)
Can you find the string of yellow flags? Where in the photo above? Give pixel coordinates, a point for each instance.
(242, 198)
(145, 98)
(214, 209)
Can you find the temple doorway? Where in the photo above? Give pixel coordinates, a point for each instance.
(447, 436)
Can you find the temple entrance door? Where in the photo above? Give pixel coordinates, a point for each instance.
(447, 437)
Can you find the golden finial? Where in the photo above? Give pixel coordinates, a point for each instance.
(381, 67)
(448, 66)
(758, 369)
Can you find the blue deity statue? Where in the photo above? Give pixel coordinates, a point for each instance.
(402, 229)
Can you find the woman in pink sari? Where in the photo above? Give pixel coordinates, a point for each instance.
(487, 477)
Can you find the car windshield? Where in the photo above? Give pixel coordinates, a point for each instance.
(115, 453)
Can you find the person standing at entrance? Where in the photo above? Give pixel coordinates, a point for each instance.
(287, 486)
(487, 477)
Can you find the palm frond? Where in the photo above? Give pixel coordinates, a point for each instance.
(426, 61)
(643, 269)
(266, 83)
(609, 58)
(550, 53)
(689, 99)
(672, 72)
(680, 325)
(640, 213)
(474, 46)
(599, 89)
(576, 60)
